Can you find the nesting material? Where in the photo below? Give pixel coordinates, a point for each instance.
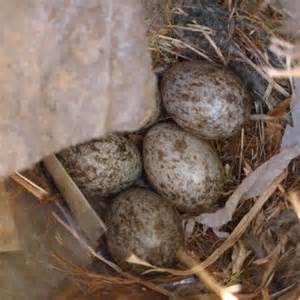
(205, 25)
(154, 114)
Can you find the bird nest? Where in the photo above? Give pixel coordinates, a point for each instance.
(252, 250)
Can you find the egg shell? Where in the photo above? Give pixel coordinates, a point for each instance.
(103, 167)
(139, 222)
(182, 168)
(208, 100)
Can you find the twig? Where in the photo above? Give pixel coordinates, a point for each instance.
(252, 46)
(200, 29)
(133, 259)
(262, 117)
(265, 294)
(215, 47)
(183, 44)
(30, 186)
(285, 73)
(206, 278)
(283, 291)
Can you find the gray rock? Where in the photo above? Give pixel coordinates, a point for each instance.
(154, 12)
(69, 72)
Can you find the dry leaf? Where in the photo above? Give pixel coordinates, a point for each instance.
(133, 259)
(30, 186)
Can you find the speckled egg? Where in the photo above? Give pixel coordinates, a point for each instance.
(207, 100)
(139, 222)
(103, 167)
(183, 168)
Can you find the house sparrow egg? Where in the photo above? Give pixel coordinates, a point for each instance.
(139, 222)
(205, 99)
(182, 168)
(103, 167)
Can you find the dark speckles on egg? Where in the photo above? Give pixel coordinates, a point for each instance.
(180, 145)
(103, 167)
(205, 99)
(139, 222)
(191, 174)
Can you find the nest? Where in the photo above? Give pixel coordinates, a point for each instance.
(261, 253)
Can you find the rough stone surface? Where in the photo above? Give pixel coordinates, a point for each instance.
(182, 168)
(70, 71)
(154, 12)
(140, 222)
(103, 167)
(205, 99)
(156, 112)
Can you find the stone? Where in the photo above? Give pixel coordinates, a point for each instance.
(70, 71)
(9, 239)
